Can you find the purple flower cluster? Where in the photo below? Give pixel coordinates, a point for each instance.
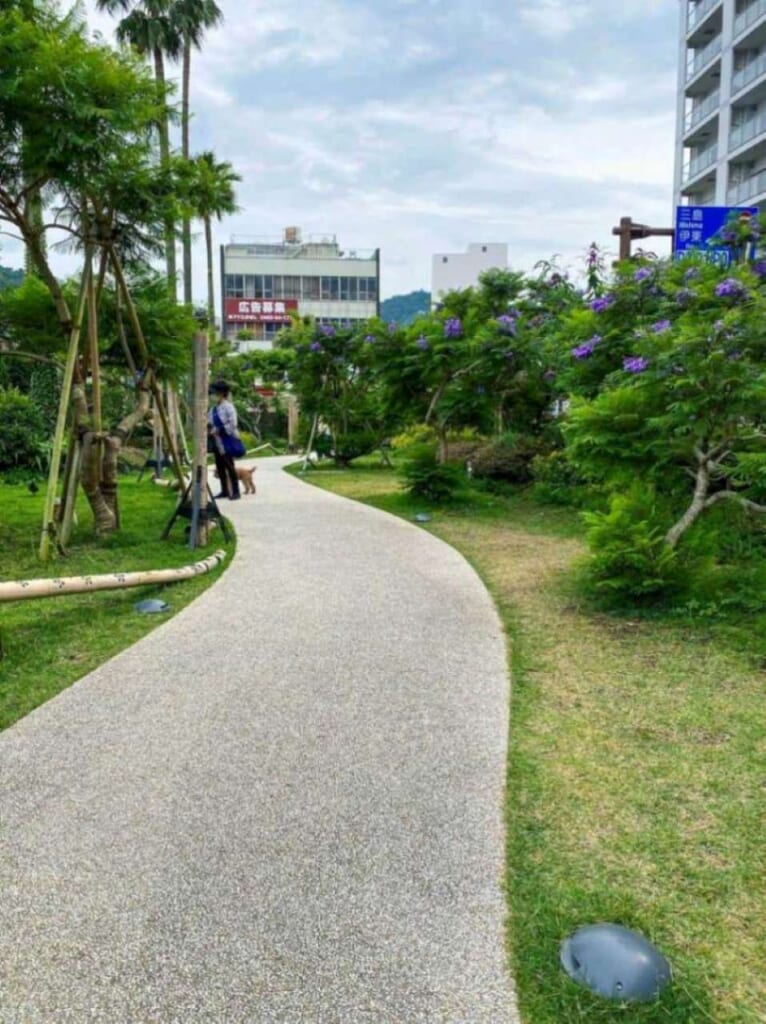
(642, 274)
(392, 326)
(635, 364)
(586, 349)
(759, 268)
(370, 339)
(315, 346)
(661, 326)
(422, 343)
(453, 328)
(328, 330)
(684, 296)
(507, 324)
(730, 288)
(601, 304)
(691, 273)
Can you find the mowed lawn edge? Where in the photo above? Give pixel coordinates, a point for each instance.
(636, 771)
(50, 643)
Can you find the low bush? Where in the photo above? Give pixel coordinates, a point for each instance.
(24, 443)
(427, 478)
(508, 460)
(557, 481)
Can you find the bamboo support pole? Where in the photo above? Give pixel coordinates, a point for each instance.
(199, 527)
(58, 436)
(144, 352)
(25, 590)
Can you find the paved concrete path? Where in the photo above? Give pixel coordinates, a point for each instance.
(284, 805)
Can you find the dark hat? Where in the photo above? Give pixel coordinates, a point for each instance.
(220, 387)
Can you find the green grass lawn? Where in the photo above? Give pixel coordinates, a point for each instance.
(636, 774)
(49, 643)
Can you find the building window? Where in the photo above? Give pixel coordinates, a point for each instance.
(368, 289)
(291, 287)
(310, 288)
(330, 288)
(250, 292)
(234, 286)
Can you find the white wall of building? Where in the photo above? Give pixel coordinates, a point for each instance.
(452, 270)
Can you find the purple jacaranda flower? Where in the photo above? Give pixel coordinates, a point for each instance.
(602, 303)
(507, 324)
(586, 349)
(635, 364)
(759, 268)
(422, 343)
(453, 328)
(392, 326)
(691, 273)
(642, 273)
(593, 256)
(661, 326)
(328, 330)
(315, 346)
(515, 313)
(684, 296)
(731, 288)
(370, 339)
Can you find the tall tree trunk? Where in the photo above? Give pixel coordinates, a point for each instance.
(185, 109)
(170, 228)
(701, 487)
(210, 292)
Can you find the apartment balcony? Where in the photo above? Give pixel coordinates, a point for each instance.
(749, 130)
(699, 163)
(700, 112)
(746, 191)
(701, 59)
(702, 17)
(749, 74)
(748, 19)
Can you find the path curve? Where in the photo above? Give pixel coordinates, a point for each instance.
(284, 805)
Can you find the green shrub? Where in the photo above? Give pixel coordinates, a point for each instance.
(508, 460)
(431, 480)
(631, 561)
(352, 444)
(557, 481)
(248, 440)
(23, 440)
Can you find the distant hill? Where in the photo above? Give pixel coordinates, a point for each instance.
(404, 308)
(10, 278)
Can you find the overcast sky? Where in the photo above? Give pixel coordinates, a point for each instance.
(418, 126)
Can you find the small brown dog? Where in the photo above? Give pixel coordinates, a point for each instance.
(245, 478)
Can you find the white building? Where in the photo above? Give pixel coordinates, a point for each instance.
(451, 270)
(721, 117)
(263, 282)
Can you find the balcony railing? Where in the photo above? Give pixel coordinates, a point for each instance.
(701, 110)
(748, 73)
(750, 14)
(699, 11)
(745, 190)
(746, 131)
(699, 163)
(703, 57)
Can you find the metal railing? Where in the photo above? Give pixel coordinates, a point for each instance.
(701, 110)
(750, 14)
(748, 73)
(699, 11)
(703, 57)
(742, 133)
(743, 191)
(704, 159)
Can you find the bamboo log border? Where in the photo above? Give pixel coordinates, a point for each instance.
(24, 590)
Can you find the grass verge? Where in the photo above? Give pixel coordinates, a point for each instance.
(49, 643)
(636, 773)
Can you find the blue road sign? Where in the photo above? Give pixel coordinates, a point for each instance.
(697, 226)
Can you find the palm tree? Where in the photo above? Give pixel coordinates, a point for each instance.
(149, 27)
(212, 195)
(191, 18)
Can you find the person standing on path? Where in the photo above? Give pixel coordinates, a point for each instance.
(222, 423)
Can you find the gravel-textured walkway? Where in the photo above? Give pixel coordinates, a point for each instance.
(282, 806)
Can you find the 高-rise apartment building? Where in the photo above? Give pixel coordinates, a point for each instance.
(721, 135)
(264, 282)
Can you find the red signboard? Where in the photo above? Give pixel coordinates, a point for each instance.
(259, 311)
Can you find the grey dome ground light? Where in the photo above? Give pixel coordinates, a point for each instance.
(283, 805)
